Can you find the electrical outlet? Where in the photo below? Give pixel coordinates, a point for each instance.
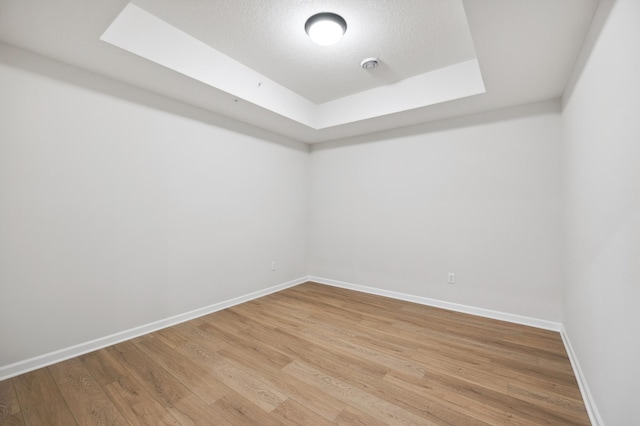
(273, 266)
(451, 278)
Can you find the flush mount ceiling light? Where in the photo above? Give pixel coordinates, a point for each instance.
(325, 28)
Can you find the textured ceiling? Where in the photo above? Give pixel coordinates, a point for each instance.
(526, 50)
(142, 33)
(410, 37)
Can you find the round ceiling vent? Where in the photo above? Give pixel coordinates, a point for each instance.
(369, 63)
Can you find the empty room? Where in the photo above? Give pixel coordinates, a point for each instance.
(223, 212)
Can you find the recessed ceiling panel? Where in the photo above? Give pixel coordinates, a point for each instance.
(147, 35)
(410, 37)
(526, 51)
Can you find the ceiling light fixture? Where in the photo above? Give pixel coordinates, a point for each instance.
(325, 28)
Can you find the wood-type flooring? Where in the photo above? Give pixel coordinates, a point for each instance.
(311, 355)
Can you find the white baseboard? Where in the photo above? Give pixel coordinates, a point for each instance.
(503, 316)
(34, 363)
(589, 402)
(21, 367)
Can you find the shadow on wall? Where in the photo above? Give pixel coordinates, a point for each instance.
(500, 115)
(37, 64)
(599, 19)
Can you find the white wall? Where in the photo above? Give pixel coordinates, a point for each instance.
(119, 207)
(601, 132)
(479, 196)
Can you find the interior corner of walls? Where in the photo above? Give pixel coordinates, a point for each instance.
(597, 24)
(587, 397)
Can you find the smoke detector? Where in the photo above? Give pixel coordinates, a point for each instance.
(369, 63)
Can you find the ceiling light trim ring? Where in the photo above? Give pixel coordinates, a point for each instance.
(325, 28)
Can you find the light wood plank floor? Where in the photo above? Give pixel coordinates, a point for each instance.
(311, 355)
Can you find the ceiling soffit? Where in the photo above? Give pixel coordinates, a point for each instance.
(285, 84)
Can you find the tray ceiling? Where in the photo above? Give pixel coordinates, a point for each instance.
(252, 61)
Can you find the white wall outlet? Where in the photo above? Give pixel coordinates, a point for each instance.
(273, 266)
(451, 278)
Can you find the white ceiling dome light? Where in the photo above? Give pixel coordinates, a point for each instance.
(325, 28)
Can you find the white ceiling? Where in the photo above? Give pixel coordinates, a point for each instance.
(525, 51)
(144, 34)
(411, 37)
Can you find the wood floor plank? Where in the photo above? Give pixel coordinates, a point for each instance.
(196, 335)
(229, 318)
(328, 337)
(160, 384)
(389, 413)
(351, 416)
(482, 401)
(254, 354)
(350, 327)
(237, 410)
(399, 393)
(477, 373)
(449, 399)
(191, 375)
(545, 343)
(9, 405)
(40, 399)
(104, 367)
(136, 404)
(477, 345)
(86, 399)
(304, 345)
(12, 420)
(321, 403)
(569, 407)
(311, 355)
(293, 413)
(171, 337)
(315, 353)
(244, 342)
(255, 390)
(192, 411)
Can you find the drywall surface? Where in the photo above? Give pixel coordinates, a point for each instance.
(119, 207)
(478, 196)
(601, 128)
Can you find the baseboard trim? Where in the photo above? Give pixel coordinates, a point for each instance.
(589, 402)
(21, 367)
(487, 313)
